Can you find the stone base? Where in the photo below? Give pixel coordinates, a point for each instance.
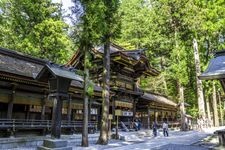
(54, 144)
(61, 148)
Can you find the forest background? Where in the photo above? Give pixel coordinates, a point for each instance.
(165, 28)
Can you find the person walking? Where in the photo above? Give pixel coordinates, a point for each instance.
(165, 129)
(154, 128)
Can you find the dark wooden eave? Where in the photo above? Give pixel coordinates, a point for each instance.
(20, 68)
(58, 71)
(155, 98)
(134, 59)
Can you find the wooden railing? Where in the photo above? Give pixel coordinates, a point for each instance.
(41, 124)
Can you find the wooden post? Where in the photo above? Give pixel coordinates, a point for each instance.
(56, 117)
(113, 108)
(156, 116)
(69, 108)
(27, 112)
(117, 135)
(149, 115)
(10, 103)
(134, 109)
(110, 123)
(43, 107)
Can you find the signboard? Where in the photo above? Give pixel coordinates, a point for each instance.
(118, 112)
(123, 104)
(110, 116)
(94, 111)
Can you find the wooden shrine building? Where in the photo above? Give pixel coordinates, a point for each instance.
(126, 67)
(27, 96)
(25, 103)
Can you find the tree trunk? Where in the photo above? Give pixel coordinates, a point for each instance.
(208, 111)
(201, 103)
(215, 111)
(85, 103)
(103, 138)
(221, 111)
(182, 108)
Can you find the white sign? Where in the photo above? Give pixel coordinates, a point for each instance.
(94, 111)
(127, 113)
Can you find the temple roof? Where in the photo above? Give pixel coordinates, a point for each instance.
(23, 67)
(158, 98)
(132, 58)
(20, 64)
(216, 68)
(58, 71)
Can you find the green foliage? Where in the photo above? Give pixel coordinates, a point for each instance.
(36, 28)
(90, 89)
(166, 28)
(88, 30)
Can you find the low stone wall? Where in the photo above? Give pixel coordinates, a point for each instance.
(8, 143)
(35, 141)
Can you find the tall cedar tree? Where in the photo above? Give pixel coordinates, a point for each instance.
(88, 32)
(111, 29)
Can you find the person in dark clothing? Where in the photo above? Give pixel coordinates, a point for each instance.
(139, 124)
(154, 128)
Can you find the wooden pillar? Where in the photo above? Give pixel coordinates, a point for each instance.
(113, 109)
(10, 103)
(156, 116)
(134, 108)
(69, 108)
(43, 107)
(27, 112)
(97, 117)
(149, 115)
(163, 115)
(56, 116)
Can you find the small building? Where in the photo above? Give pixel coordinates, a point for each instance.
(216, 69)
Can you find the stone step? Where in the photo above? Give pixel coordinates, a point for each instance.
(130, 138)
(55, 143)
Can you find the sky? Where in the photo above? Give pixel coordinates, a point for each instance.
(66, 3)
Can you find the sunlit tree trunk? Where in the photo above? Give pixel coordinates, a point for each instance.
(201, 103)
(215, 111)
(103, 138)
(182, 108)
(85, 102)
(221, 111)
(208, 110)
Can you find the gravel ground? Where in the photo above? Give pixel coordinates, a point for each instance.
(177, 140)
